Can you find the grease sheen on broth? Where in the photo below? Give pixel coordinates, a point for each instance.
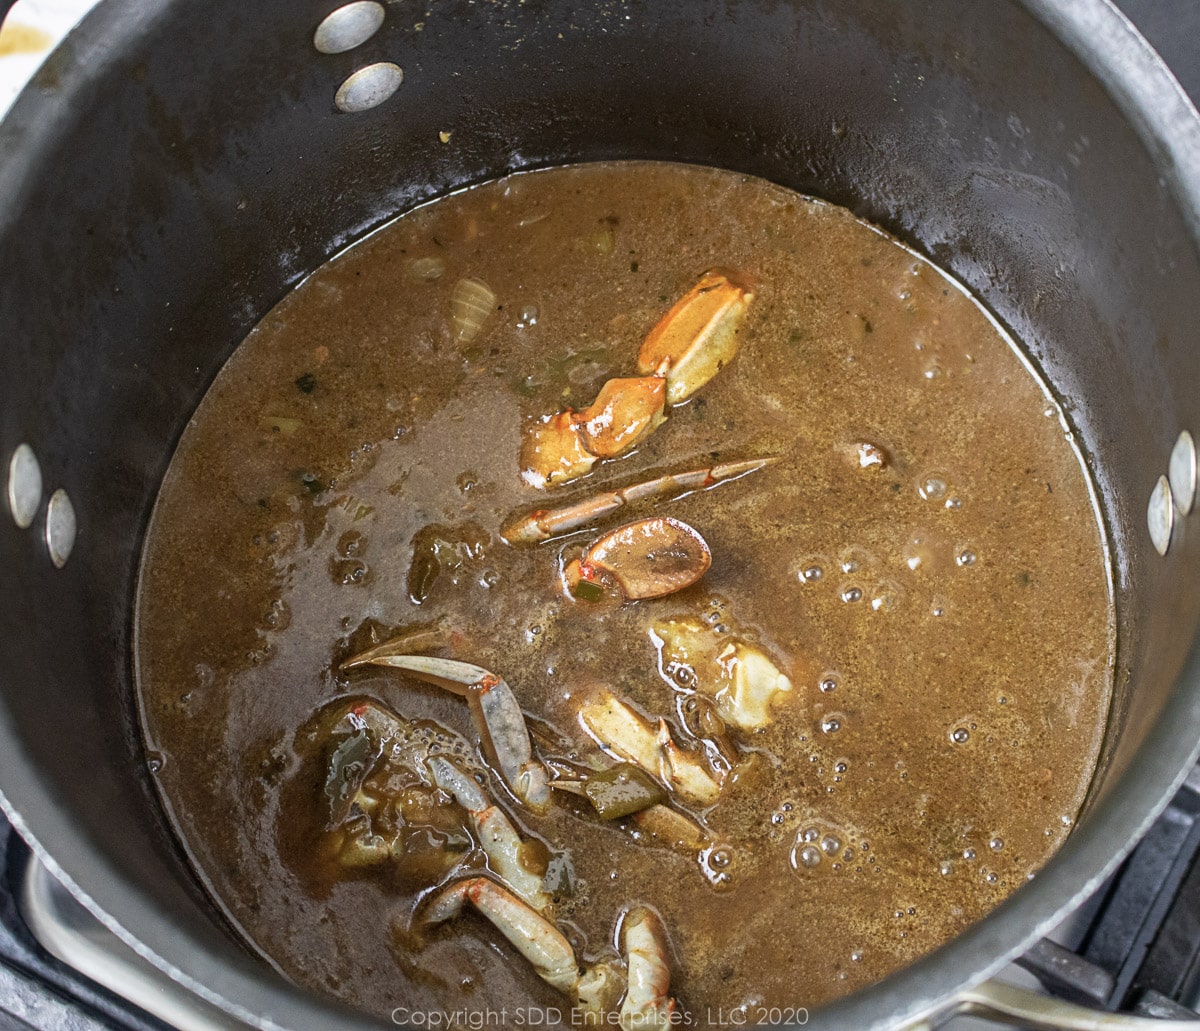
(945, 621)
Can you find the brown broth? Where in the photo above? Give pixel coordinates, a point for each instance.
(961, 615)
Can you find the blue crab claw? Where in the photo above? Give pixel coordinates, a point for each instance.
(498, 838)
(647, 1002)
(496, 712)
(595, 988)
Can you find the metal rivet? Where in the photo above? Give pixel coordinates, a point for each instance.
(1160, 515)
(60, 527)
(1181, 471)
(348, 27)
(368, 87)
(24, 486)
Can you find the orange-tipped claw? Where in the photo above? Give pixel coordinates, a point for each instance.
(690, 345)
(698, 336)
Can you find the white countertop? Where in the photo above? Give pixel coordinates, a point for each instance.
(31, 30)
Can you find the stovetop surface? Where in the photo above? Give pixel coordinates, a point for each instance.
(36, 990)
(1134, 946)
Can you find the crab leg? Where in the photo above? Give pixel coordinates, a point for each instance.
(497, 716)
(544, 523)
(531, 934)
(594, 989)
(497, 836)
(647, 1001)
(414, 639)
(624, 731)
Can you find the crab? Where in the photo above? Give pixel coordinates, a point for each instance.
(689, 345)
(731, 683)
(395, 783)
(593, 989)
(648, 558)
(494, 709)
(742, 680)
(409, 791)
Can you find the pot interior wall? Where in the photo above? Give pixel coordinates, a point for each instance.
(176, 169)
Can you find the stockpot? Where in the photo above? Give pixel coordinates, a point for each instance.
(178, 165)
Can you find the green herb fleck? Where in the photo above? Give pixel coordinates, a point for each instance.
(311, 483)
(633, 266)
(307, 383)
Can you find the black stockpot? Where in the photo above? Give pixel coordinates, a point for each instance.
(178, 165)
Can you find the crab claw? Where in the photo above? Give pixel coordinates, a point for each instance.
(647, 1000)
(497, 715)
(741, 678)
(498, 838)
(530, 933)
(648, 558)
(690, 345)
(698, 336)
(566, 445)
(624, 731)
(624, 412)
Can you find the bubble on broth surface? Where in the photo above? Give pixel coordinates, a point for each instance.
(933, 486)
(885, 596)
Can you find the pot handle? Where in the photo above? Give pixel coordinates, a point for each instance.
(1025, 1007)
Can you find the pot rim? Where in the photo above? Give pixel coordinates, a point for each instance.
(1107, 43)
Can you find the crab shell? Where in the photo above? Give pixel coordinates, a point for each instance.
(649, 558)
